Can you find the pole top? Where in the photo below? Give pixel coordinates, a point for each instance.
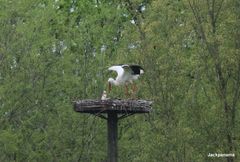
(112, 105)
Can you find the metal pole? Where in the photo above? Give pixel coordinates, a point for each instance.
(112, 136)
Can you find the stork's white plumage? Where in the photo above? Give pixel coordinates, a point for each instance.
(126, 75)
(104, 96)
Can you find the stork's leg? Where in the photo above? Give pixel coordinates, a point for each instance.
(134, 90)
(126, 90)
(109, 87)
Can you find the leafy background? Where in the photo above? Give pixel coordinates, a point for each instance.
(55, 52)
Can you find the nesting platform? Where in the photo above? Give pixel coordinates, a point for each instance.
(112, 110)
(112, 105)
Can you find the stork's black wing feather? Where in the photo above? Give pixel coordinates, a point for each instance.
(136, 69)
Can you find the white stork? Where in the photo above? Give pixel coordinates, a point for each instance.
(126, 74)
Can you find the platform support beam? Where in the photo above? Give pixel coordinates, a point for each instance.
(112, 136)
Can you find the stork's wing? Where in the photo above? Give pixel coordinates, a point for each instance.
(136, 69)
(127, 69)
(118, 69)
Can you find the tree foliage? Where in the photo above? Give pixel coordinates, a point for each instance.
(54, 52)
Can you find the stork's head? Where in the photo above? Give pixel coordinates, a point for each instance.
(110, 82)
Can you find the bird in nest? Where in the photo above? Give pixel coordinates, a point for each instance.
(126, 74)
(104, 96)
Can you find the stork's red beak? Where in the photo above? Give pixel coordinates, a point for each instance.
(109, 87)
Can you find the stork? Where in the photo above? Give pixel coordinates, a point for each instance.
(126, 74)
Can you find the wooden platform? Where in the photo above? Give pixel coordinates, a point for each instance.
(112, 105)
